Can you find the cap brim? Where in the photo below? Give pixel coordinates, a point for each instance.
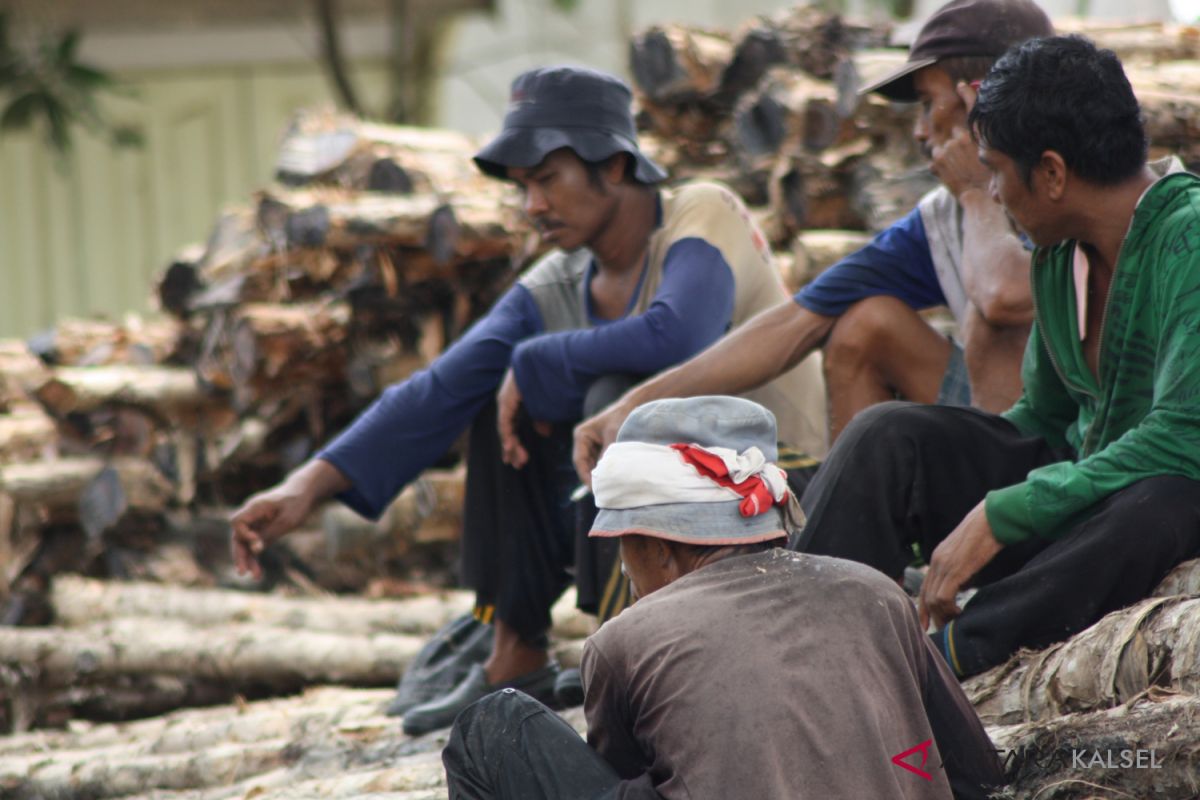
(528, 147)
(690, 523)
(898, 85)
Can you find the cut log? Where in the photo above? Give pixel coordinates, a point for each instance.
(27, 435)
(60, 484)
(428, 510)
(20, 369)
(1154, 642)
(812, 39)
(90, 343)
(1148, 42)
(265, 351)
(241, 654)
(334, 218)
(789, 111)
(807, 193)
(80, 602)
(674, 63)
(1145, 749)
(168, 392)
(815, 251)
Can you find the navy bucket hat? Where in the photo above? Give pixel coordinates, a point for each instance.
(555, 107)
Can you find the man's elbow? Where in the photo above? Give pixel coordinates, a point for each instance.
(1006, 306)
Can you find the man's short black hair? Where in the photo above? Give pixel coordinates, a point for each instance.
(1062, 93)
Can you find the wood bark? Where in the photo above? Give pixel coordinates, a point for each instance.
(80, 602)
(60, 484)
(91, 343)
(789, 111)
(1153, 643)
(168, 392)
(19, 370)
(674, 63)
(27, 435)
(334, 218)
(329, 742)
(428, 510)
(815, 251)
(238, 653)
(1153, 735)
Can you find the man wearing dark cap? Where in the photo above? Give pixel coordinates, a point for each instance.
(641, 278)
(742, 670)
(956, 248)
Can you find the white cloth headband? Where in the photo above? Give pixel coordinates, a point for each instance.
(637, 474)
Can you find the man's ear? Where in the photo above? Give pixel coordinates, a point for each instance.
(662, 554)
(1051, 173)
(615, 167)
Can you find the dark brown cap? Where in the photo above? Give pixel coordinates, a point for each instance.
(967, 28)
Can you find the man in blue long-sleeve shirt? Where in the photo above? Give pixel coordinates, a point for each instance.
(641, 279)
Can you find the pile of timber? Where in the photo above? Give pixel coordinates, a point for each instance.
(772, 109)
(123, 445)
(123, 649)
(1123, 689)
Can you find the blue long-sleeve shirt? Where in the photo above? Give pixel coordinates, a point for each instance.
(415, 421)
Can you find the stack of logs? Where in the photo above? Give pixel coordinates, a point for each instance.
(123, 446)
(772, 109)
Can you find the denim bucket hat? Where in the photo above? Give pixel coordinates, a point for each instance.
(643, 483)
(555, 107)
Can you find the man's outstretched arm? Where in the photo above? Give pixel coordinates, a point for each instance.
(757, 352)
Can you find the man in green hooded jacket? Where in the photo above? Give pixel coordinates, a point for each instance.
(1080, 498)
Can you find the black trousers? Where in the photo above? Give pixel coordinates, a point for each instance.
(508, 745)
(518, 526)
(524, 540)
(904, 475)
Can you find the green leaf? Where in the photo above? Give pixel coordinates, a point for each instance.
(20, 112)
(67, 47)
(87, 78)
(566, 5)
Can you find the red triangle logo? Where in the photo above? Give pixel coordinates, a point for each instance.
(923, 749)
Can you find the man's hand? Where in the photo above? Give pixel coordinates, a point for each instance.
(955, 161)
(269, 515)
(595, 434)
(967, 549)
(508, 405)
(264, 518)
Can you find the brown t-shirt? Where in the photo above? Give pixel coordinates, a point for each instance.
(780, 675)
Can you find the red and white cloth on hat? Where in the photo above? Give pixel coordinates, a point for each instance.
(637, 474)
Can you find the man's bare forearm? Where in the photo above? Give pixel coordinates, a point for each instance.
(995, 263)
(765, 347)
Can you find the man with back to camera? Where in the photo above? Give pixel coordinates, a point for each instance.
(956, 248)
(742, 670)
(1080, 499)
(642, 278)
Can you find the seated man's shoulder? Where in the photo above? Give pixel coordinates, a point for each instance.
(707, 196)
(556, 267)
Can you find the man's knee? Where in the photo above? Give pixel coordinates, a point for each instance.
(498, 711)
(885, 424)
(1160, 503)
(861, 332)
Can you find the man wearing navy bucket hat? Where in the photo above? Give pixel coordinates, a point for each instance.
(641, 278)
(743, 669)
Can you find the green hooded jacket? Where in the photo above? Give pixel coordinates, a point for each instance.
(1143, 417)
